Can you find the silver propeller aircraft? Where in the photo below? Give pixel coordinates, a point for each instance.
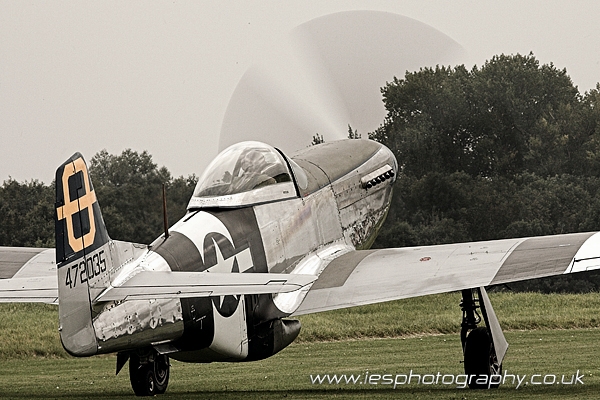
(266, 237)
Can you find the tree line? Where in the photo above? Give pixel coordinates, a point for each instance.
(128, 187)
(510, 149)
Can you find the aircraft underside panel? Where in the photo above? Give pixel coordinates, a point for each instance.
(137, 323)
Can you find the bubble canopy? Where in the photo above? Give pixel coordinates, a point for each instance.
(245, 173)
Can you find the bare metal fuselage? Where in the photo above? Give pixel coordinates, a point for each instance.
(339, 205)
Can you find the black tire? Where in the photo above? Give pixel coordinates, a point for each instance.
(143, 381)
(479, 358)
(161, 373)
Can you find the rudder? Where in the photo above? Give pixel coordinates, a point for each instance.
(82, 252)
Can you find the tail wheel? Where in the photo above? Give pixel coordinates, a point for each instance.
(480, 359)
(149, 375)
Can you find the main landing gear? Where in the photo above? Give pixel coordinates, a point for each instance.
(483, 347)
(148, 371)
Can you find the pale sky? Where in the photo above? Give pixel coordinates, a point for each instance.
(158, 76)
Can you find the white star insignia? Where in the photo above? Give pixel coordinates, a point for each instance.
(244, 263)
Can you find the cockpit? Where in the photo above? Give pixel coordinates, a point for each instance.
(244, 174)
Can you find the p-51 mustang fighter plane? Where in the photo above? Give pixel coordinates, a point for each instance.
(266, 237)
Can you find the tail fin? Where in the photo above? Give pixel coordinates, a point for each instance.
(79, 223)
(82, 254)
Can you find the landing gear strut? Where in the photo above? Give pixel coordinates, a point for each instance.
(483, 347)
(148, 372)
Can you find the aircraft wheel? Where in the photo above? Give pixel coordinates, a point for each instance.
(161, 373)
(479, 358)
(150, 378)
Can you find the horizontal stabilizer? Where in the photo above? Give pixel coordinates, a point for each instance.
(25, 290)
(167, 284)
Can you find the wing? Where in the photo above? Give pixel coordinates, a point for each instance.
(28, 275)
(373, 276)
(167, 284)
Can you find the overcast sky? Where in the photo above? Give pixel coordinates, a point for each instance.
(158, 76)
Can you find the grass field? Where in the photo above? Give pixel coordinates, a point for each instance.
(392, 338)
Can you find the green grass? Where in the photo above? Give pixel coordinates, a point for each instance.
(30, 330)
(548, 334)
(441, 314)
(287, 375)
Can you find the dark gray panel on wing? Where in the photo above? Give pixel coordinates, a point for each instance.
(12, 259)
(337, 272)
(540, 256)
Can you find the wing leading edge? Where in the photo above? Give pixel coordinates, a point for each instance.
(373, 276)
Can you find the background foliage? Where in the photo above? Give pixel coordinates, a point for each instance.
(511, 149)
(128, 187)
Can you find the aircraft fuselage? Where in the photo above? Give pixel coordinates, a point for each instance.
(338, 206)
